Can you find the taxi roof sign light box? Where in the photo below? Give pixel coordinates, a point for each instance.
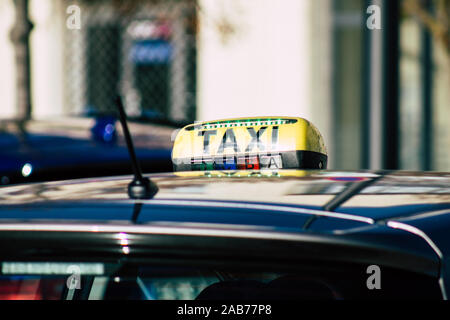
(249, 143)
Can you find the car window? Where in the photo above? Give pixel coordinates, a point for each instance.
(148, 281)
(31, 287)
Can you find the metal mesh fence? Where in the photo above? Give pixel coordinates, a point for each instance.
(143, 50)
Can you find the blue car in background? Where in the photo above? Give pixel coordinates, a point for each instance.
(78, 148)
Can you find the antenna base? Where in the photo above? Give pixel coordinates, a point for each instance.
(142, 189)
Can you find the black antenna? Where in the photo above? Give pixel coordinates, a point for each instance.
(140, 187)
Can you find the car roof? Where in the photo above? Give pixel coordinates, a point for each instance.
(373, 195)
(330, 206)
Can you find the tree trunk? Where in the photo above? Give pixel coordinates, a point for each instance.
(20, 38)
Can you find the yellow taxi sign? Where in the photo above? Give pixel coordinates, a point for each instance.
(249, 143)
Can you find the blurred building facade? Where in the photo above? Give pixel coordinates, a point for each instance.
(380, 97)
(145, 50)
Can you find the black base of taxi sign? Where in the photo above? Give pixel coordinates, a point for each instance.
(285, 160)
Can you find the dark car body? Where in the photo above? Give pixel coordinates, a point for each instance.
(78, 148)
(322, 225)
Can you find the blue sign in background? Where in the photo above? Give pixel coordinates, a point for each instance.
(151, 52)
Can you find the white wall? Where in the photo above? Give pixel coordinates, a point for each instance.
(321, 71)
(260, 69)
(46, 46)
